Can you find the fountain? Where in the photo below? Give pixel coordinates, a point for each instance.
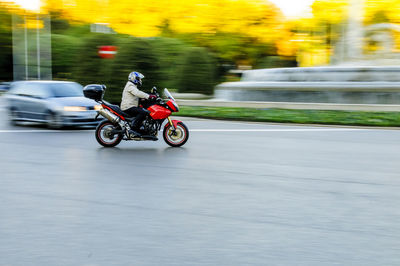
(355, 78)
(341, 84)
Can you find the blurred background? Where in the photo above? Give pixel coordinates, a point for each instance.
(191, 45)
(237, 193)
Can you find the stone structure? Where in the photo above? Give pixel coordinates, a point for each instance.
(334, 84)
(356, 77)
(382, 36)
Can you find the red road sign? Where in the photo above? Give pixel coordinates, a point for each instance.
(107, 51)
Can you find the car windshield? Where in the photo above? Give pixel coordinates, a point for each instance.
(65, 89)
(168, 94)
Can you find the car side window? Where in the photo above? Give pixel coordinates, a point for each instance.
(16, 89)
(39, 91)
(31, 90)
(22, 90)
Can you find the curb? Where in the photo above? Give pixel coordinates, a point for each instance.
(291, 105)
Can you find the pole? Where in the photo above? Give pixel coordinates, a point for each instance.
(355, 33)
(26, 48)
(38, 46)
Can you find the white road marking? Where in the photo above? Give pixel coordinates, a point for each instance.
(275, 130)
(202, 130)
(40, 131)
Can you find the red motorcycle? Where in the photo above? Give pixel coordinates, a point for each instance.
(116, 127)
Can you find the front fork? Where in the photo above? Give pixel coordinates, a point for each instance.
(172, 124)
(173, 132)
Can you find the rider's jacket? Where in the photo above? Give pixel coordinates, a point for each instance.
(131, 95)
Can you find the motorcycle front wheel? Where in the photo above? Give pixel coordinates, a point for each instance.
(178, 137)
(104, 134)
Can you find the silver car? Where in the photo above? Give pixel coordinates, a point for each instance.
(56, 103)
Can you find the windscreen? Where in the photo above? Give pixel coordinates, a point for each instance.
(65, 89)
(168, 94)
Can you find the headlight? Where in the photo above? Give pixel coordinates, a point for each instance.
(74, 108)
(97, 107)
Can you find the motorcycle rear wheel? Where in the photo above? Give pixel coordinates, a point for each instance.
(177, 138)
(104, 136)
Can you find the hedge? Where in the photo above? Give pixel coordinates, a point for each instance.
(196, 71)
(6, 60)
(168, 52)
(134, 54)
(90, 68)
(165, 62)
(64, 50)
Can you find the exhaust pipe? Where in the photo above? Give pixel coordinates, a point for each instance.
(108, 115)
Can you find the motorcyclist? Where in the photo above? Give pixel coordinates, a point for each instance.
(130, 100)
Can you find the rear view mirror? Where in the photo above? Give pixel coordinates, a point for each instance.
(154, 90)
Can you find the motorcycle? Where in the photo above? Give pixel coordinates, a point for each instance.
(116, 126)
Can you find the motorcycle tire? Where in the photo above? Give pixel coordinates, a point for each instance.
(103, 136)
(178, 138)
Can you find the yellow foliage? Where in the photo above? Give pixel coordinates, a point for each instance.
(330, 11)
(308, 38)
(256, 18)
(33, 23)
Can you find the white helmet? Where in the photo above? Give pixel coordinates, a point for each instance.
(136, 78)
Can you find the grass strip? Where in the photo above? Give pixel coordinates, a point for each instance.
(357, 118)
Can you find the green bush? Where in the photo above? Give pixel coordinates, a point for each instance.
(63, 55)
(276, 61)
(79, 30)
(6, 59)
(134, 54)
(196, 71)
(58, 24)
(168, 52)
(90, 67)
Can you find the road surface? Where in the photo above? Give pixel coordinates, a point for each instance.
(235, 194)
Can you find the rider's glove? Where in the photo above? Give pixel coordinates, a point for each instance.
(152, 97)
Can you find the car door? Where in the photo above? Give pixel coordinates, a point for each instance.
(30, 101)
(38, 104)
(19, 100)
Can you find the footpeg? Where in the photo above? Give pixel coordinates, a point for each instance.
(148, 137)
(133, 134)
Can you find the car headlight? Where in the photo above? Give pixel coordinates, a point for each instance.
(97, 107)
(74, 108)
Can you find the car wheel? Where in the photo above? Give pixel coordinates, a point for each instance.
(53, 121)
(13, 117)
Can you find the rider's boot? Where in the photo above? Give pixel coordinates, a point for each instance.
(133, 133)
(134, 129)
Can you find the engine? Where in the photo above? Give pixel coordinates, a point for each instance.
(151, 126)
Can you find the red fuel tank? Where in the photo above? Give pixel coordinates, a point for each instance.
(159, 112)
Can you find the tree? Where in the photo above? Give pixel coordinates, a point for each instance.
(256, 22)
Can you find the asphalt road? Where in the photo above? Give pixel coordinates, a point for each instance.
(235, 194)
